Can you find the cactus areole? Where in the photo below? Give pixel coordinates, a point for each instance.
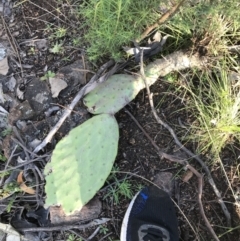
(81, 162)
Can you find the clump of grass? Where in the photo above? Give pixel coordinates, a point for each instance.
(114, 23)
(216, 105)
(214, 24)
(120, 189)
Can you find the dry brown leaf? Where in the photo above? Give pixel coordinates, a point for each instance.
(23, 186)
(187, 176)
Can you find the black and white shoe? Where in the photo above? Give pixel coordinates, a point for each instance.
(150, 217)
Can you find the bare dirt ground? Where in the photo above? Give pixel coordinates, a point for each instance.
(138, 163)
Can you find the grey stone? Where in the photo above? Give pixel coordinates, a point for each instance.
(165, 181)
(38, 95)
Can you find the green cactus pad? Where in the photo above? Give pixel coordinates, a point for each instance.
(81, 162)
(113, 94)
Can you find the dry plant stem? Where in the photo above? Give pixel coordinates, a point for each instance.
(93, 234)
(45, 10)
(6, 165)
(84, 66)
(105, 236)
(186, 164)
(78, 235)
(145, 133)
(70, 108)
(67, 227)
(23, 164)
(165, 125)
(200, 187)
(12, 42)
(20, 144)
(36, 186)
(161, 20)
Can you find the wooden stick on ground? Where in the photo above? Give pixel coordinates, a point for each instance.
(210, 179)
(196, 157)
(70, 108)
(161, 20)
(93, 223)
(186, 164)
(200, 188)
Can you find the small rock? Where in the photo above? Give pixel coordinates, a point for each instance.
(164, 180)
(31, 236)
(74, 75)
(42, 44)
(11, 84)
(132, 141)
(38, 95)
(4, 67)
(33, 144)
(2, 51)
(57, 84)
(21, 124)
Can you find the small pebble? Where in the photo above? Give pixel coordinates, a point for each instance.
(132, 141)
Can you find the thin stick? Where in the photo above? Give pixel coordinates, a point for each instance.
(145, 133)
(161, 20)
(187, 165)
(93, 234)
(13, 44)
(66, 227)
(78, 235)
(199, 176)
(200, 187)
(84, 66)
(70, 108)
(181, 146)
(105, 236)
(6, 165)
(23, 164)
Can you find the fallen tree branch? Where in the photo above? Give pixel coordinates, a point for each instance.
(181, 146)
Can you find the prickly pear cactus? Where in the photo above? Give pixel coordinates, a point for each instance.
(113, 94)
(81, 162)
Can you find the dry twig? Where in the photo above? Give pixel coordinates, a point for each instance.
(25, 163)
(13, 43)
(181, 146)
(184, 163)
(187, 165)
(161, 20)
(66, 227)
(200, 188)
(6, 165)
(70, 108)
(199, 176)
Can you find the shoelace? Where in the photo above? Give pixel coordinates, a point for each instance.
(153, 234)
